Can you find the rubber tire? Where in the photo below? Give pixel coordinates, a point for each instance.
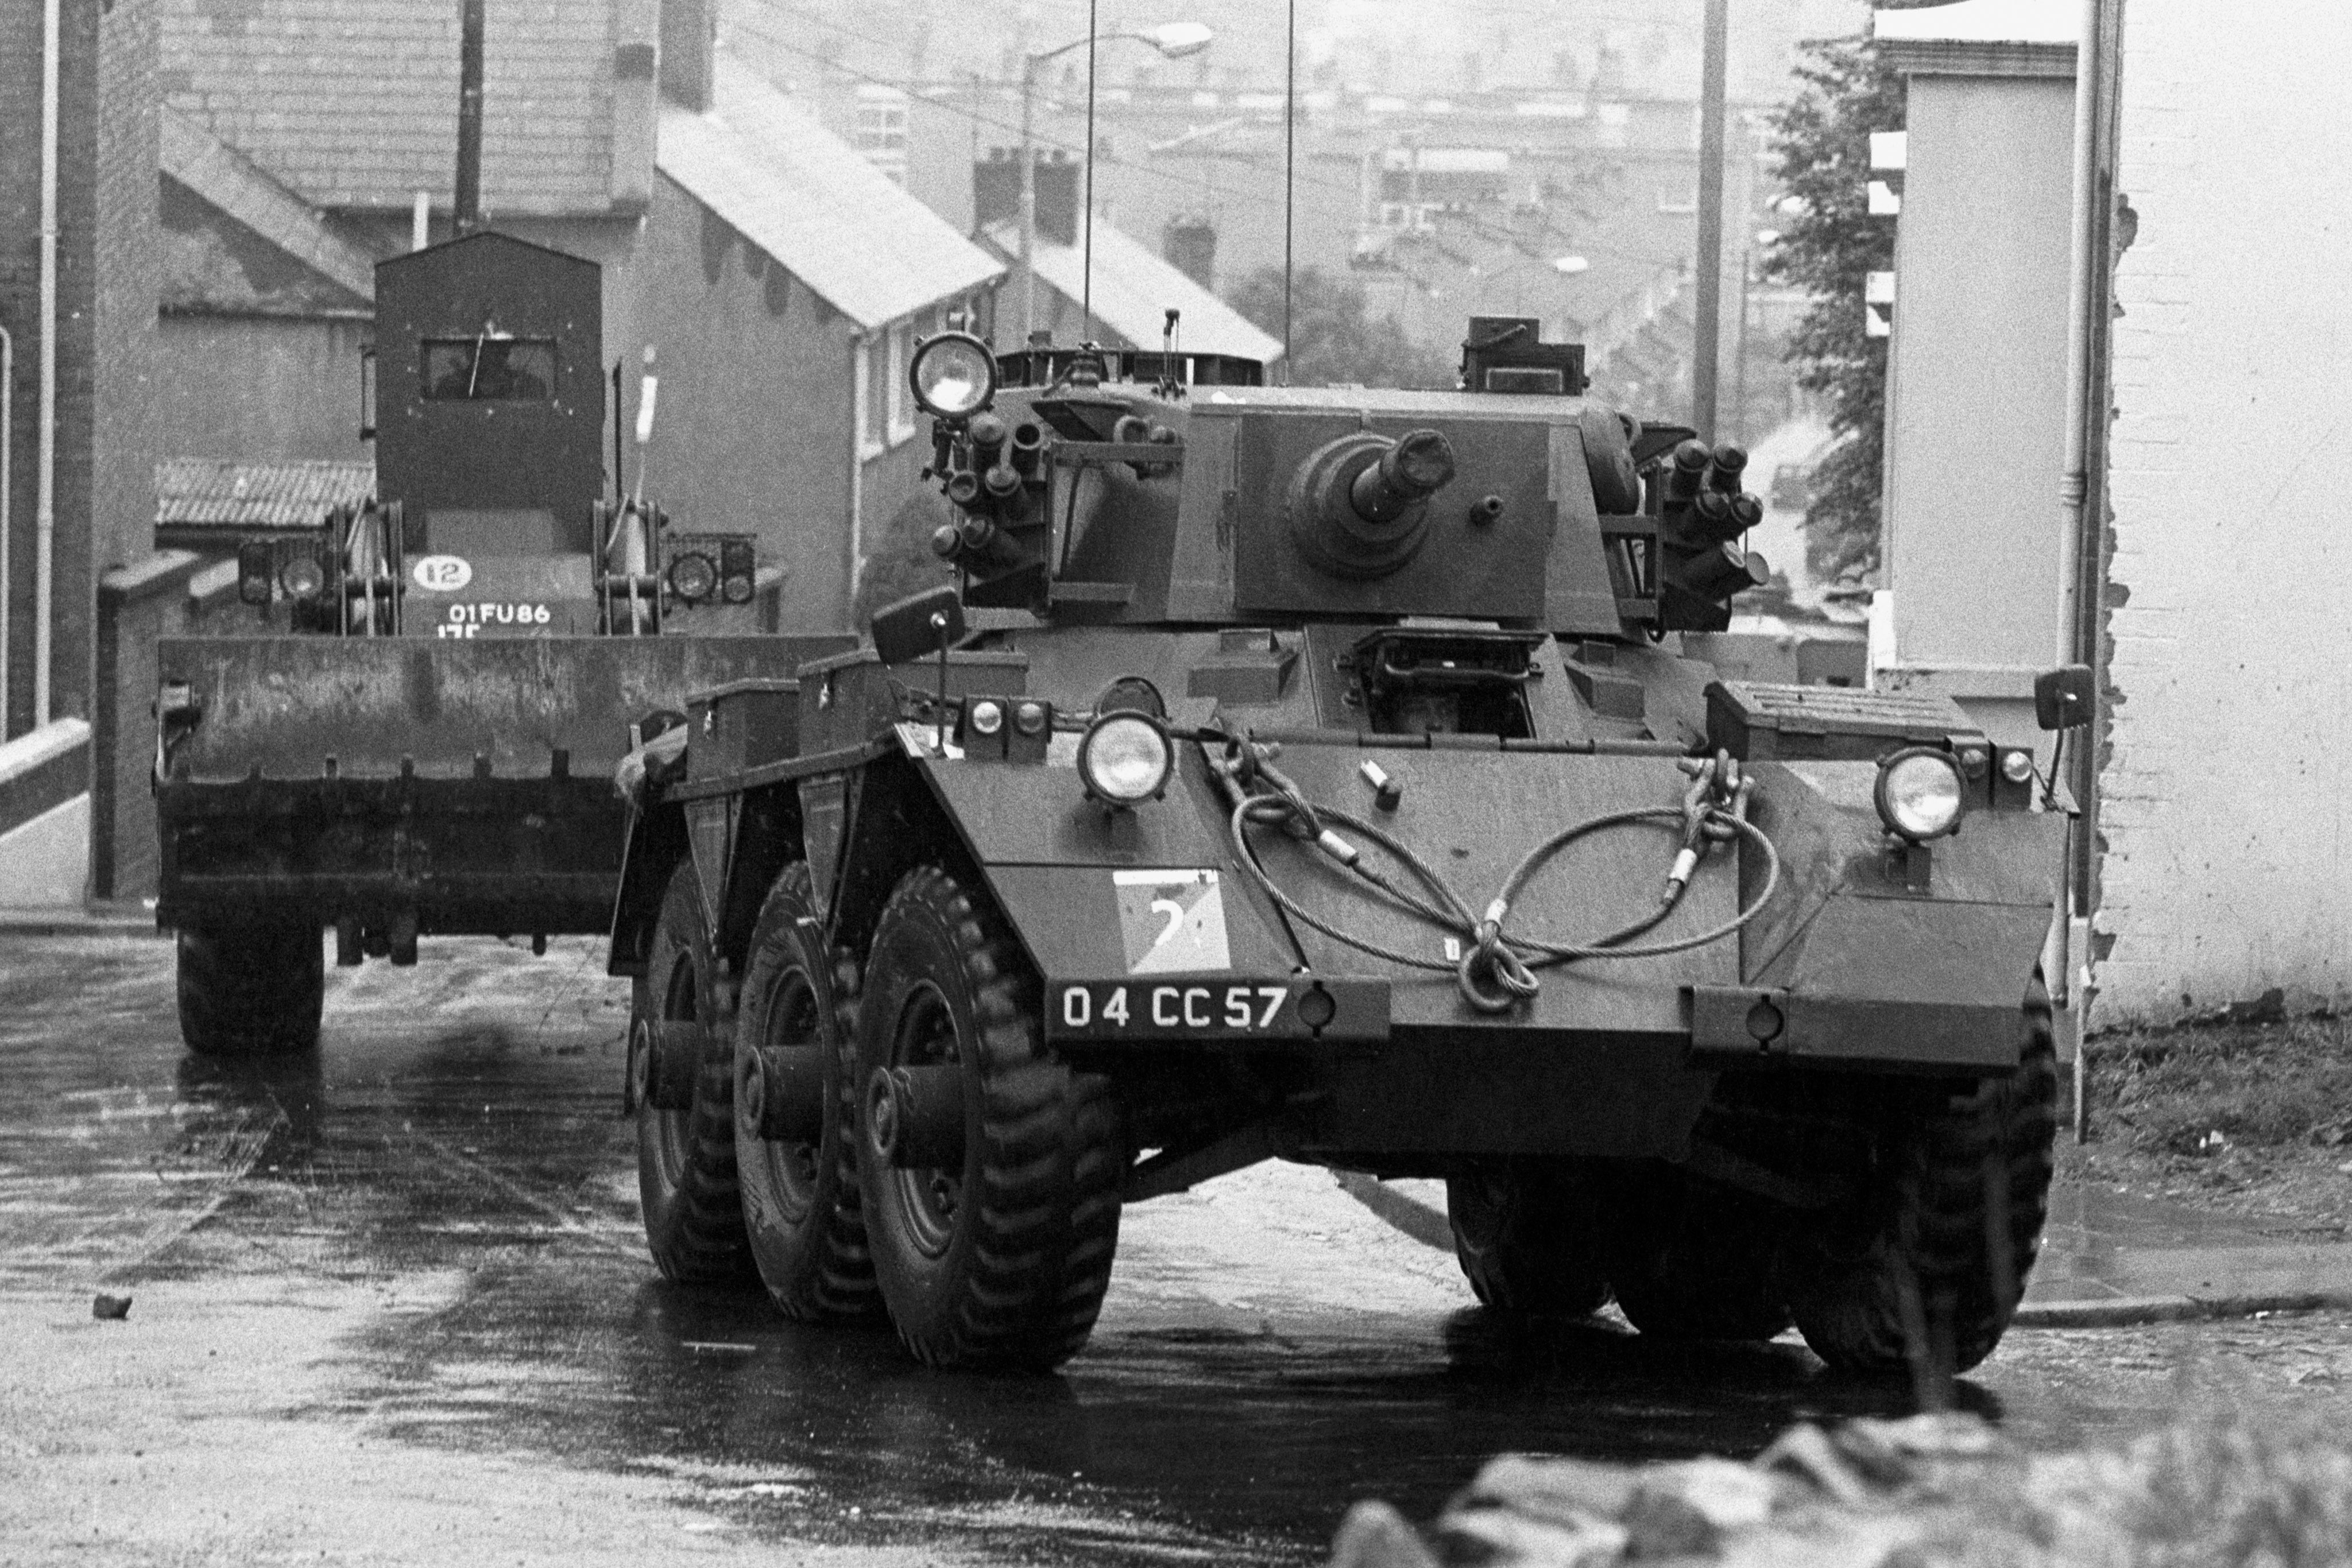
(1942, 1211)
(1692, 1261)
(685, 1159)
(807, 1240)
(251, 991)
(1019, 1276)
(1527, 1236)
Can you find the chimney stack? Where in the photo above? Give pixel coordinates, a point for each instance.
(690, 46)
(996, 193)
(1190, 245)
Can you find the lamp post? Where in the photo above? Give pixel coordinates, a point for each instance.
(1175, 40)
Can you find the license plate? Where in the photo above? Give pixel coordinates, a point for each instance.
(1221, 1008)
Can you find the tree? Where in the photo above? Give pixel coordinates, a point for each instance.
(902, 560)
(1333, 339)
(1821, 138)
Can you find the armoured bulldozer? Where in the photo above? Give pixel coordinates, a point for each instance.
(421, 733)
(1319, 774)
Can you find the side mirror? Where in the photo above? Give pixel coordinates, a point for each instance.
(918, 625)
(2063, 697)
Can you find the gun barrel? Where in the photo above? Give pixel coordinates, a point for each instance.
(1416, 467)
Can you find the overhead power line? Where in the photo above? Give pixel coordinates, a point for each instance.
(1270, 199)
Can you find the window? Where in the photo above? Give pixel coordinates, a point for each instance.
(901, 399)
(490, 368)
(869, 377)
(886, 406)
(882, 130)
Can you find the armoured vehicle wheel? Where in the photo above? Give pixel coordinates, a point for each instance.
(1528, 1237)
(685, 1157)
(251, 990)
(1690, 1260)
(990, 1171)
(1943, 1247)
(795, 1030)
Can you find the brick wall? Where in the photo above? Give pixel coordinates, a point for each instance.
(103, 498)
(82, 25)
(20, 173)
(126, 272)
(2227, 826)
(353, 103)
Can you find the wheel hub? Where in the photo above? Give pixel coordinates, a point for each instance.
(907, 1104)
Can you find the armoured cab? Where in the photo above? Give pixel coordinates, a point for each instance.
(487, 403)
(490, 403)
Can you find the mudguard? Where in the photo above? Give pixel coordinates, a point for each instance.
(1881, 957)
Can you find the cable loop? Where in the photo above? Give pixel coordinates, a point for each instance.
(1496, 970)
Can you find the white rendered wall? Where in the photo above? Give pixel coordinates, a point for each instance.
(2227, 801)
(1976, 391)
(45, 863)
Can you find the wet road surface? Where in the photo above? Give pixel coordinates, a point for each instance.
(393, 1303)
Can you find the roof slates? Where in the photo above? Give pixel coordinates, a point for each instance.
(1134, 290)
(204, 492)
(232, 183)
(353, 103)
(813, 205)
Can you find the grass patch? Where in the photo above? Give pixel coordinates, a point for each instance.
(2262, 1086)
(2246, 1117)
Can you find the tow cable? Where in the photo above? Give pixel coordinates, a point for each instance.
(1496, 970)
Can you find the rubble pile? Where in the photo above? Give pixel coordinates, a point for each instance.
(1921, 1492)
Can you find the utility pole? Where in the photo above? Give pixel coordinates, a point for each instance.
(1175, 41)
(469, 194)
(1030, 65)
(1709, 260)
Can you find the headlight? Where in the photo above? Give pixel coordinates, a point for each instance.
(693, 576)
(1030, 718)
(2017, 767)
(986, 717)
(953, 375)
(303, 578)
(1918, 793)
(1125, 758)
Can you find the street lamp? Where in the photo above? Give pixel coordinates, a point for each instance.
(1175, 40)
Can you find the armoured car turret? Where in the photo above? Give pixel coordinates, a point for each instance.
(1318, 774)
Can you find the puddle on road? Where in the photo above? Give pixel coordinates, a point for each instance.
(484, 1156)
(1163, 1440)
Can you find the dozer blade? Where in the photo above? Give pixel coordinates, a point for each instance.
(444, 786)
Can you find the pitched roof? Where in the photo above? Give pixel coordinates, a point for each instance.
(1984, 21)
(242, 188)
(1134, 290)
(814, 204)
(353, 103)
(204, 492)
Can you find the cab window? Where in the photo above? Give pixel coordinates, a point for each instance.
(490, 369)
